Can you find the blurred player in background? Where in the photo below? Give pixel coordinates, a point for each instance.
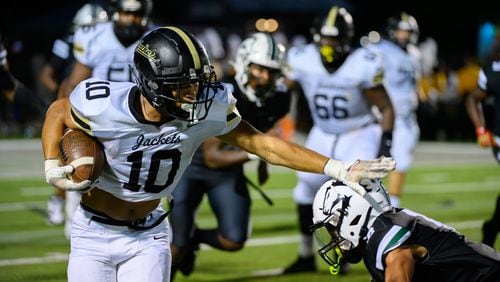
(395, 244)
(217, 168)
(341, 87)
(61, 60)
(20, 107)
(61, 205)
(106, 51)
(402, 71)
(488, 132)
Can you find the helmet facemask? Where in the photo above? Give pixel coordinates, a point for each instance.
(164, 94)
(129, 32)
(333, 52)
(333, 37)
(261, 50)
(341, 222)
(404, 23)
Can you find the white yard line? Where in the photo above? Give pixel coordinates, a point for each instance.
(256, 242)
(19, 206)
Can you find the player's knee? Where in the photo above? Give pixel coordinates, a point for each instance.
(231, 245)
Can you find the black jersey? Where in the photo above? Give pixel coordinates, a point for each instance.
(451, 256)
(265, 114)
(489, 81)
(262, 116)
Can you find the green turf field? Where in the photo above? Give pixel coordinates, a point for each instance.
(462, 196)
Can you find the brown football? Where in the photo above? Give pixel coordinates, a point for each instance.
(84, 153)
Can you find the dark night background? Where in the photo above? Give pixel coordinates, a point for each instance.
(454, 25)
(29, 28)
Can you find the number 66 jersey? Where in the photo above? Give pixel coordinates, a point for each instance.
(145, 159)
(336, 100)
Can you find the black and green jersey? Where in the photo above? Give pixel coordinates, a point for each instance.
(451, 256)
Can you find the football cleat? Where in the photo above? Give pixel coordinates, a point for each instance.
(55, 210)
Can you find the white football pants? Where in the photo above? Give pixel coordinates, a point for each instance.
(107, 253)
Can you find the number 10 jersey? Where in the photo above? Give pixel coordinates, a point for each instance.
(145, 159)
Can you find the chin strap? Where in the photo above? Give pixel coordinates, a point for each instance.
(335, 267)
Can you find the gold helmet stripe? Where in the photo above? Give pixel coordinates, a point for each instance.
(332, 16)
(190, 45)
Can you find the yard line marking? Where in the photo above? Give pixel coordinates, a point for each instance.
(267, 272)
(51, 257)
(26, 236)
(19, 206)
(37, 191)
(256, 242)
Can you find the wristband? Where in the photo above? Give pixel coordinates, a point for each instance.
(481, 130)
(51, 163)
(335, 169)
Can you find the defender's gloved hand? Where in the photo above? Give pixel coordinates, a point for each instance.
(352, 174)
(57, 176)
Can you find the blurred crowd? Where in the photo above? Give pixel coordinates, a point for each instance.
(441, 111)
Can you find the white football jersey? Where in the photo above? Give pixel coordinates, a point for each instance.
(401, 74)
(336, 100)
(98, 48)
(145, 160)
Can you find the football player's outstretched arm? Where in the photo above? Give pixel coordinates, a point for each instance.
(274, 150)
(57, 118)
(283, 153)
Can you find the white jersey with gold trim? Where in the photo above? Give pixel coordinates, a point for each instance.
(401, 76)
(145, 160)
(336, 99)
(98, 48)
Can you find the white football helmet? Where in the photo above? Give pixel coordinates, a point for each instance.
(261, 49)
(90, 14)
(342, 218)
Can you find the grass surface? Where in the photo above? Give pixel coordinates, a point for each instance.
(463, 196)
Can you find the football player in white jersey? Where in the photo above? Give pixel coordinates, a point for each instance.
(402, 69)
(61, 205)
(341, 88)
(106, 50)
(149, 131)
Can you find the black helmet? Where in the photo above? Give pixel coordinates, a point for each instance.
(403, 21)
(337, 24)
(128, 34)
(169, 58)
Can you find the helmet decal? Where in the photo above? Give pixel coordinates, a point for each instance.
(147, 52)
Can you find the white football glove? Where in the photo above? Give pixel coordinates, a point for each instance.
(353, 173)
(58, 176)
